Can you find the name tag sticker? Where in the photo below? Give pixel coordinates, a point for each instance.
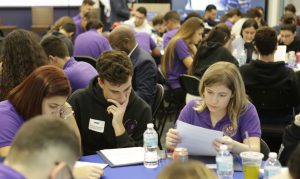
(96, 125)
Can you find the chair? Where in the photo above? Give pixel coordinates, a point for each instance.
(86, 59)
(159, 95)
(42, 19)
(264, 149)
(191, 85)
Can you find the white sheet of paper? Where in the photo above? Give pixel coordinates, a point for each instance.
(198, 140)
(83, 164)
(124, 155)
(280, 53)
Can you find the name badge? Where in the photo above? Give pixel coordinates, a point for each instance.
(96, 125)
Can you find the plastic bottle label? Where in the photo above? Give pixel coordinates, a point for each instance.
(150, 141)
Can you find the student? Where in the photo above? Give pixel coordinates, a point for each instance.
(215, 47)
(86, 6)
(172, 24)
(146, 42)
(287, 19)
(188, 170)
(158, 24)
(244, 41)
(231, 17)
(44, 147)
(91, 43)
(210, 15)
(289, 37)
(22, 53)
(145, 70)
(108, 113)
(81, 25)
(224, 107)
(78, 73)
(179, 53)
(44, 91)
(139, 21)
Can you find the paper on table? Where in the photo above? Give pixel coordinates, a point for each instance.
(83, 164)
(198, 140)
(124, 156)
(280, 53)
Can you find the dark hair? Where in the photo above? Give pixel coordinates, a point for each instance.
(253, 13)
(210, 7)
(265, 40)
(142, 10)
(158, 19)
(294, 163)
(114, 66)
(289, 27)
(290, 7)
(44, 133)
(22, 53)
(45, 81)
(231, 13)
(192, 14)
(94, 24)
(89, 2)
(172, 15)
(55, 47)
(249, 23)
(69, 27)
(288, 19)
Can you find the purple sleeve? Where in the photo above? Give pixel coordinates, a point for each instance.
(106, 45)
(186, 114)
(250, 122)
(8, 129)
(152, 44)
(181, 49)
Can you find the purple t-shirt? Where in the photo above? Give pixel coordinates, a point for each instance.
(77, 17)
(248, 121)
(168, 36)
(79, 73)
(10, 122)
(79, 29)
(91, 44)
(180, 53)
(145, 41)
(7, 172)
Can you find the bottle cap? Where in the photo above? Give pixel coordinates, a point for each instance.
(150, 125)
(223, 147)
(272, 155)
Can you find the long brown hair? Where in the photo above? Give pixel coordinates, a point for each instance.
(45, 81)
(186, 32)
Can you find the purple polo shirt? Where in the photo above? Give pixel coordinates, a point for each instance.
(77, 17)
(181, 52)
(228, 23)
(248, 121)
(6, 172)
(145, 41)
(79, 29)
(91, 44)
(10, 122)
(168, 36)
(79, 73)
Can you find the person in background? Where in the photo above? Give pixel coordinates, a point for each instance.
(214, 48)
(188, 170)
(22, 53)
(146, 42)
(210, 15)
(86, 6)
(224, 107)
(53, 153)
(158, 25)
(287, 19)
(139, 21)
(81, 25)
(231, 17)
(289, 37)
(172, 24)
(179, 53)
(144, 78)
(108, 113)
(244, 41)
(291, 10)
(91, 43)
(78, 73)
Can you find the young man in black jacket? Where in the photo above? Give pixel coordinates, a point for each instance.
(108, 113)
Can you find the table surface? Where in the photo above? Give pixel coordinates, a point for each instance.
(135, 171)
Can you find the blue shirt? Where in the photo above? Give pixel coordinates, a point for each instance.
(79, 73)
(7, 172)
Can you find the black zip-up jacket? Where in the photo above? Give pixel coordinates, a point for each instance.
(89, 104)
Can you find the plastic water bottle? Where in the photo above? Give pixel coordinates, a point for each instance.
(272, 166)
(150, 146)
(224, 162)
(292, 59)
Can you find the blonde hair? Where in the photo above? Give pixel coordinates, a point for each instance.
(187, 170)
(186, 32)
(227, 74)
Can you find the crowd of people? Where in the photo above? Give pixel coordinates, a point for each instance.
(52, 103)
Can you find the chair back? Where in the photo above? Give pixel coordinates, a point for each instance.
(264, 149)
(159, 96)
(86, 59)
(190, 84)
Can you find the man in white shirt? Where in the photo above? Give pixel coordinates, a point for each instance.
(139, 21)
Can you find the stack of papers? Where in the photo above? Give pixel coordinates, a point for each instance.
(83, 164)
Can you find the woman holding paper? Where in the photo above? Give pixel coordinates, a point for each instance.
(224, 107)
